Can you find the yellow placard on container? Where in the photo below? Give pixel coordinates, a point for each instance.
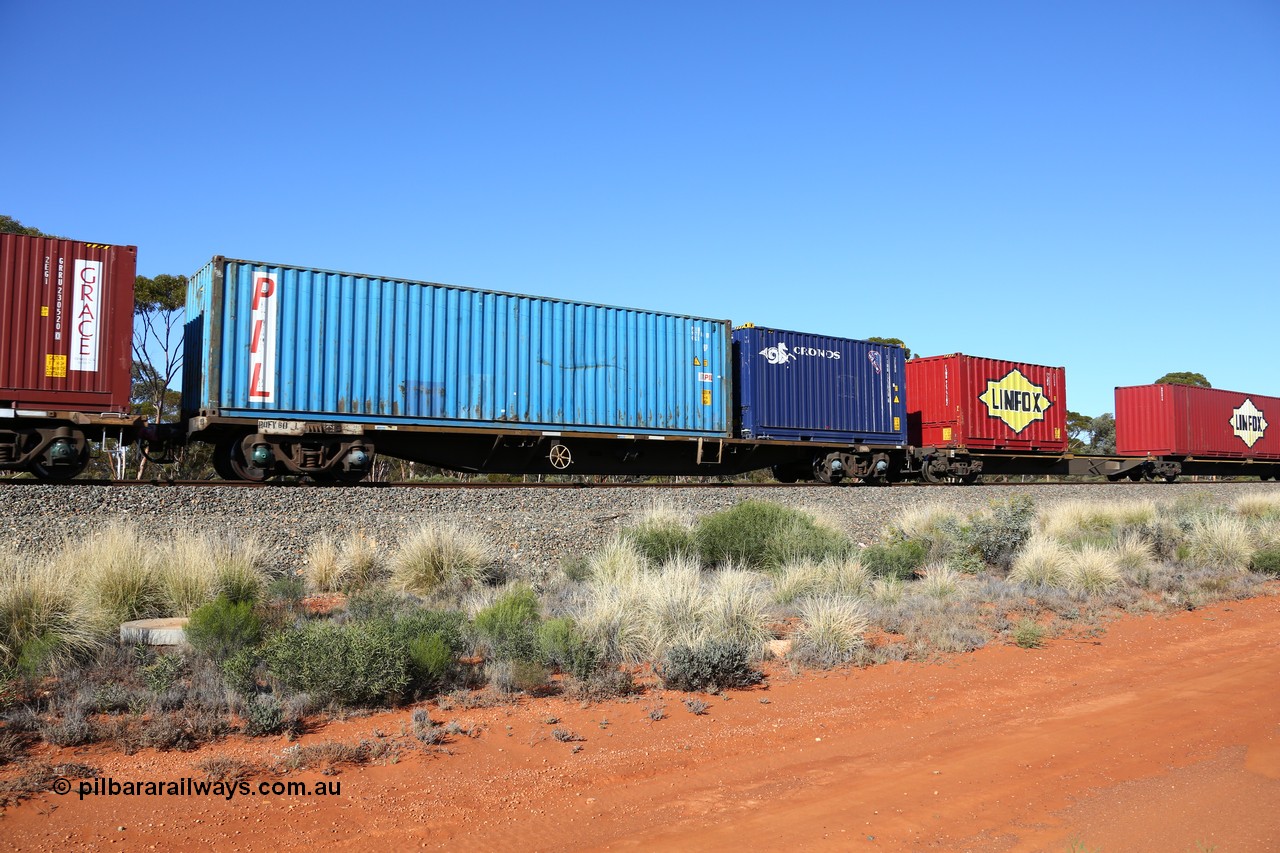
(897, 424)
(706, 397)
(55, 366)
(946, 433)
(44, 310)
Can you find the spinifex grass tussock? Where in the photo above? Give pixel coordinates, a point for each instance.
(1258, 505)
(762, 535)
(619, 561)
(940, 581)
(888, 590)
(325, 571)
(1041, 562)
(1092, 570)
(1077, 520)
(939, 528)
(795, 580)
(438, 555)
(1135, 556)
(842, 575)
(674, 606)
(1029, 635)
(117, 571)
(1220, 541)
(611, 618)
(45, 621)
(362, 561)
(735, 609)
(193, 569)
(831, 631)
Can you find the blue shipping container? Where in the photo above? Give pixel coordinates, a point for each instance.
(801, 387)
(272, 340)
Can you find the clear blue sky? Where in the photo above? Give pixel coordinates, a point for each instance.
(1088, 184)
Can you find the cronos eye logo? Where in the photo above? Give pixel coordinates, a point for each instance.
(1248, 423)
(777, 355)
(1016, 400)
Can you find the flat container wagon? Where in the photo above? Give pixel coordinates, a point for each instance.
(1191, 423)
(66, 327)
(968, 402)
(434, 372)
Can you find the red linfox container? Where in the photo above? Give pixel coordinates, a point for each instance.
(1183, 420)
(965, 401)
(66, 324)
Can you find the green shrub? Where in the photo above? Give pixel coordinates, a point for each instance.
(381, 604)
(765, 536)
(509, 626)
(563, 646)
(162, 673)
(898, 559)
(263, 716)
(358, 663)
(710, 666)
(431, 659)
(287, 591)
(1266, 561)
(661, 538)
(1029, 635)
(239, 672)
(223, 627)
(998, 534)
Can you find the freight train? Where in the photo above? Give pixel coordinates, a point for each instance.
(297, 371)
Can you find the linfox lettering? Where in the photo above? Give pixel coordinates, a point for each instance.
(1018, 401)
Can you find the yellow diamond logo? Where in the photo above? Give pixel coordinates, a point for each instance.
(1016, 400)
(1248, 423)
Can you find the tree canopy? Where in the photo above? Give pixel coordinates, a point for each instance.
(1184, 378)
(9, 225)
(894, 341)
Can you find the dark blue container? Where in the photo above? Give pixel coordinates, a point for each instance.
(793, 386)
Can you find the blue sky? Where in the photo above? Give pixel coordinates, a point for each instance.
(1088, 184)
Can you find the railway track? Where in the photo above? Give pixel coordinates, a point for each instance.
(418, 484)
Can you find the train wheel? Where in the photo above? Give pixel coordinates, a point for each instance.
(68, 464)
(235, 461)
(930, 475)
(783, 474)
(222, 458)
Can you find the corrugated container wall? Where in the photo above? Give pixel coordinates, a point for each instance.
(265, 338)
(966, 401)
(1182, 420)
(66, 323)
(802, 387)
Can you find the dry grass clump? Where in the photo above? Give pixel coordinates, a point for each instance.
(674, 602)
(1074, 521)
(619, 561)
(325, 571)
(831, 631)
(116, 570)
(194, 569)
(1220, 541)
(362, 560)
(939, 581)
(934, 525)
(736, 609)
(437, 555)
(1258, 505)
(840, 575)
(611, 618)
(1092, 570)
(1134, 555)
(1041, 562)
(888, 590)
(795, 580)
(46, 621)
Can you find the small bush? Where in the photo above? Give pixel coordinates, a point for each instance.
(696, 706)
(287, 592)
(509, 626)
(437, 555)
(1266, 561)
(661, 535)
(68, 729)
(381, 605)
(997, 534)
(163, 673)
(564, 647)
(513, 676)
(431, 659)
(764, 535)
(239, 671)
(359, 663)
(898, 559)
(263, 716)
(223, 627)
(1029, 635)
(711, 666)
(831, 631)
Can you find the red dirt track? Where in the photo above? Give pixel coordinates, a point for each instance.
(1161, 733)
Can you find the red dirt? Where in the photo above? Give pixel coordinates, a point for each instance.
(1163, 733)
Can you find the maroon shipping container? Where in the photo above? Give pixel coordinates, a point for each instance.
(964, 401)
(1182, 420)
(66, 324)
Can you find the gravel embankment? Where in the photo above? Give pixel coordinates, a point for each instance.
(533, 528)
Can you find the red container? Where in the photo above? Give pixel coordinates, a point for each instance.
(1182, 420)
(964, 401)
(66, 324)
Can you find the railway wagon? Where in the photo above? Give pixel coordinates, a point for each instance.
(307, 371)
(1192, 430)
(66, 325)
(840, 396)
(968, 414)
